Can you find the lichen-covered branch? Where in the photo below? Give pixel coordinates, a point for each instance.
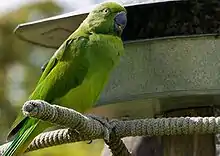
(82, 128)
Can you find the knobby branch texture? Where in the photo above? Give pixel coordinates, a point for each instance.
(89, 127)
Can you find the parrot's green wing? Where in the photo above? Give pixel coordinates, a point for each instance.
(76, 44)
(48, 66)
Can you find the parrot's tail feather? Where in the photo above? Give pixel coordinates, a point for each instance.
(15, 129)
(21, 141)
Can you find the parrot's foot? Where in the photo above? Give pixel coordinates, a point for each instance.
(105, 122)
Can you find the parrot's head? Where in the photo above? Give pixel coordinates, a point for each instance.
(107, 18)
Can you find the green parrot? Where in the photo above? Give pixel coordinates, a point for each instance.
(77, 72)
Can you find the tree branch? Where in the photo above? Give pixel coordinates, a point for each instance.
(82, 128)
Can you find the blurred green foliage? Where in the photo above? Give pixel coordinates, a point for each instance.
(20, 64)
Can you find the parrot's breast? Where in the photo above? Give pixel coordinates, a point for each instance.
(85, 95)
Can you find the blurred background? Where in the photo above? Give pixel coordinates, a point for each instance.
(19, 60)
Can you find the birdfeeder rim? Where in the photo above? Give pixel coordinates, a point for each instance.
(51, 32)
(86, 10)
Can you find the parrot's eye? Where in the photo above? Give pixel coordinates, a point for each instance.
(106, 10)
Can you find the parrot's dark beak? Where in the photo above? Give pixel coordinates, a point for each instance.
(120, 21)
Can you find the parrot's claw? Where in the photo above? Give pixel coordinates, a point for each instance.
(104, 122)
(89, 142)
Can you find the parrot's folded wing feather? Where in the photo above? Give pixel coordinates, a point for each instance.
(18, 123)
(20, 120)
(43, 67)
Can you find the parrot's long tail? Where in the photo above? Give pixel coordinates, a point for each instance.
(23, 138)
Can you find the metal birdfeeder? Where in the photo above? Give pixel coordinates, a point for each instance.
(172, 60)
